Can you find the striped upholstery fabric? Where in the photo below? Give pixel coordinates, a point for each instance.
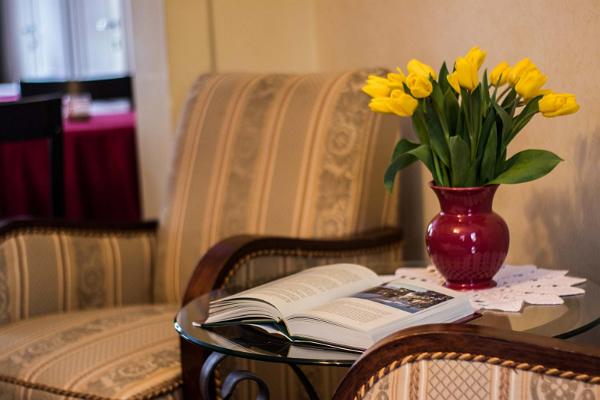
(117, 353)
(468, 380)
(57, 271)
(293, 155)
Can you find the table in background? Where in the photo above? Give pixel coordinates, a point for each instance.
(101, 172)
(578, 314)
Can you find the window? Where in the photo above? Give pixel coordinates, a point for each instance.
(65, 39)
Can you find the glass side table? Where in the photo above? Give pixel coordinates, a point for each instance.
(578, 314)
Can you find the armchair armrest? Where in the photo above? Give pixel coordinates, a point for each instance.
(486, 347)
(223, 259)
(10, 227)
(51, 266)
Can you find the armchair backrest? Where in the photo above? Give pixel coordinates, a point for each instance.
(294, 155)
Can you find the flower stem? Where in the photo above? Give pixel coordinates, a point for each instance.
(504, 92)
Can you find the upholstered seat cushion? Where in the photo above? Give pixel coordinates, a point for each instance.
(116, 353)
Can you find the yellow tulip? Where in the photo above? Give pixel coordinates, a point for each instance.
(419, 85)
(499, 75)
(555, 104)
(453, 81)
(396, 80)
(380, 104)
(530, 83)
(476, 56)
(466, 72)
(402, 104)
(417, 67)
(376, 88)
(519, 70)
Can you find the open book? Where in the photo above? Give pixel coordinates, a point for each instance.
(342, 305)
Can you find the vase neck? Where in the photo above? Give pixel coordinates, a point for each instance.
(465, 200)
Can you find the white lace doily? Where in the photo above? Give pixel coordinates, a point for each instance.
(516, 285)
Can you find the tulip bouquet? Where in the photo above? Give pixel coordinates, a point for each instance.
(464, 125)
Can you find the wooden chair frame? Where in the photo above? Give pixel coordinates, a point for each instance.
(99, 89)
(39, 117)
(473, 343)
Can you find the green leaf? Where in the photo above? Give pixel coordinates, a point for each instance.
(461, 129)
(500, 160)
(436, 135)
(465, 106)
(438, 105)
(509, 100)
(419, 124)
(471, 179)
(400, 162)
(452, 110)
(402, 147)
(524, 117)
(459, 152)
(490, 120)
(475, 110)
(488, 164)
(526, 166)
(423, 154)
(486, 101)
(403, 160)
(443, 78)
(507, 123)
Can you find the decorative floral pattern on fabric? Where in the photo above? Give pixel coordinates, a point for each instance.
(344, 147)
(130, 371)
(552, 388)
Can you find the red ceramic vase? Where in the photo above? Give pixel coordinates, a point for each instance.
(467, 241)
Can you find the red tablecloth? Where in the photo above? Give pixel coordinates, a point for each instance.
(101, 174)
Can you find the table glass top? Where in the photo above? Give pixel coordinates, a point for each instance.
(578, 314)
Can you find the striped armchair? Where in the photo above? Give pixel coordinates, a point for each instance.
(86, 310)
(446, 362)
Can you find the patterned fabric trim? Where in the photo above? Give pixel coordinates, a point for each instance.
(393, 249)
(413, 358)
(160, 390)
(81, 232)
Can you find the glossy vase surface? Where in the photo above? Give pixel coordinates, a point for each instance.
(467, 241)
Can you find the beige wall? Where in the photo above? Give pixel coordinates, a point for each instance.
(265, 35)
(152, 98)
(554, 221)
(189, 47)
(236, 36)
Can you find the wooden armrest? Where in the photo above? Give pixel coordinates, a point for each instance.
(223, 257)
(518, 350)
(16, 226)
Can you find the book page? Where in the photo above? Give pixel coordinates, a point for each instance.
(378, 306)
(311, 288)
